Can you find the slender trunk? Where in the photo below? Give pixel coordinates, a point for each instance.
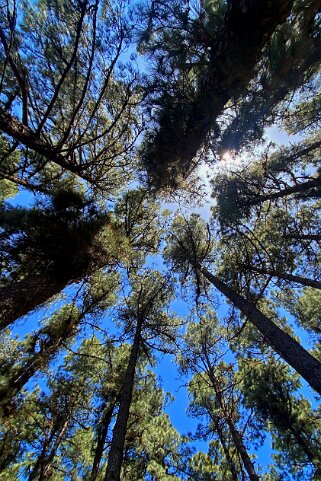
(102, 432)
(304, 281)
(42, 467)
(45, 473)
(40, 359)
(236, 436)
(300, 441)
(116, 452)
(17, 299)
(229, 460)
(287, 347)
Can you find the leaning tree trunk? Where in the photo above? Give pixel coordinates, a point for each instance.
(19, 298)
(41, 469)
(284, 344)
(230, 462)
(116, 452)
(49, 348)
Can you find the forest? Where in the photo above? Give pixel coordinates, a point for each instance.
(160, 238)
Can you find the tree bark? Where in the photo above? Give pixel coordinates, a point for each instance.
(231, 464)
(17, 299)
(116, 452)
(44, 461)
(287, 347)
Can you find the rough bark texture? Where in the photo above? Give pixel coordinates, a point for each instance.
(287, 347)
(19, 298)
(247, 27)
(119, 432)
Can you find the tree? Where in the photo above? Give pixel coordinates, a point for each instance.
(188, 249)
(231, 59)
(76, 104)
(214, 394)
(269, 388)
(144, 314)
(81, 130)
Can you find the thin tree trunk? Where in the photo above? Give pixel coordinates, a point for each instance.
(40, 359)
(17, 299)
(102, 432)
(44, 461)
(231, 464)
(304, 281)
(287, 347)
(45, 473)
(236, 436)
(116, 452)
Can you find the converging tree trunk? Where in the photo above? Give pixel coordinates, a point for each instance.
(102, 431)
(287, 347)
(116, 452)
(235, 434)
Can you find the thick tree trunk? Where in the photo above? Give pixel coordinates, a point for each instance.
(287, 347)
(102, 432)
(237, 47)
(304, 281)
(116, 452)
(19, 298)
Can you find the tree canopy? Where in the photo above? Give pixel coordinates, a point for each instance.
(160, 205)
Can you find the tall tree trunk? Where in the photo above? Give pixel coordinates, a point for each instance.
(102, 432)
(287, 347)
(116, 452)
(304, 281)
(19, 298)
(235, 434)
